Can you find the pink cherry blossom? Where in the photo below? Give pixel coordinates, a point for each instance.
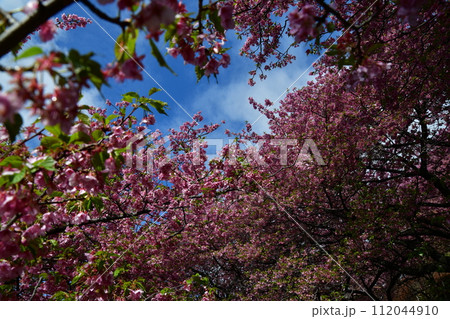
(136, 294)
(47, 31)
(225, 60)
(71, 21)
(132, 68)
(156, 13)
(30, 7)
(32, 232)
(212, 67)
(7, 272)
(409, 9)
(81, 218)
(9, 105)
(302, 23)
(358, 156)
(149, 120)
(126, 4)
(226, 17)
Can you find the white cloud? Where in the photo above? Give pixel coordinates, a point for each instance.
(92, 97)
(10, 5)
(229, 102)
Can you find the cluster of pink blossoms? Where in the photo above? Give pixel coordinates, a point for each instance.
(196, 50)
(302, 23)
(63, 107)
(10, 104)
(368, 71)
(409, 10)
(71, 21)
(47, 31)
(226, 17)
(130, 69)
(156, 13)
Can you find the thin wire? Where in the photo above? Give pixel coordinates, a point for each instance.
(320, 56)
(170, 96)
(276, 202)
(179, 105)
(315, 241)
(120, 257)
(134, 60)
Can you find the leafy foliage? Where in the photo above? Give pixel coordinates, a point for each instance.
(97, 206)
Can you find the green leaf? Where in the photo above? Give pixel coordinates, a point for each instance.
(47, 163)
(10, 179)
(144, 107)
(77, 278)
(118, 51)
(214, 17)
(72, 206)
(83, 118)
(131, 41)
(171, 31)
(110, 118)
(97, 80)
(98, 203)
(54, 243)
(126, 44)
(13, 161)
(118, 271)
(63, 296)
(93, 202)
(128, 97)
(74, 56)
(86, 68)
(45, 275)
(87, 204)
(159, 57)
(153, 91)
(78, 137)
(17, 177)
(55, 130)
(374, 47)
(50, 142)
(331, 27)
(98, 135)
(13, 127)
(159, 106)
(56, 194)
(30, 52)
(98, 160)
(333, 50)
(199, 72)
(98, 117)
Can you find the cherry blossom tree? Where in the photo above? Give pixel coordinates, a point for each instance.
(81, 219)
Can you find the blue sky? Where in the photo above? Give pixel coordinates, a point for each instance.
(226, 100)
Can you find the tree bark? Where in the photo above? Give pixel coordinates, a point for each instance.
(18, 31)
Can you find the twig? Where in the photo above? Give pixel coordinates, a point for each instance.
(35, 289)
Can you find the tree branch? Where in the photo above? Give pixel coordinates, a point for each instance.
(61, 229)
(334, 12)
(17, 32)
(104, 16)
